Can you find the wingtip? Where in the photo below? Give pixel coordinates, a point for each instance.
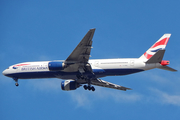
(93, 29)
(127, 89)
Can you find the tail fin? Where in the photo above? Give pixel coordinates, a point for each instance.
(155, 53)
(159, 45)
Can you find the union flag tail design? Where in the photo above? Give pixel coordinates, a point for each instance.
(159, 45)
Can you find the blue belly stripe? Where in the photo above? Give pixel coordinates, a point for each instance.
(72, 75)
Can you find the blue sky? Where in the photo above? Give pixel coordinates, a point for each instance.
(40, 30)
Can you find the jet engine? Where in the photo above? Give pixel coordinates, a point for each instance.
(56, 66)
(69, 85)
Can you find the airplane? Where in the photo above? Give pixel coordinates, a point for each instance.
(78, 69)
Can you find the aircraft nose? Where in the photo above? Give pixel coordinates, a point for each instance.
(4, 72)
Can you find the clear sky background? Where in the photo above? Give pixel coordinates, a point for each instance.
(40, 30)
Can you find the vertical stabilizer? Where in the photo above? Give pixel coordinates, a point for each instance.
(159, 45)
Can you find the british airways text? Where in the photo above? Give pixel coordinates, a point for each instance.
(33, 68)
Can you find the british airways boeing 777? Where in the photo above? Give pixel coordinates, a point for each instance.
(77, 69)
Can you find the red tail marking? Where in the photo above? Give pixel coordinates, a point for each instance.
(147, 55)
(162, 42)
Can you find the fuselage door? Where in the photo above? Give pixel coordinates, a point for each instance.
(131, 62)
(96, 63)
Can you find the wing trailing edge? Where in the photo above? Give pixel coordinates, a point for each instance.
(103, 83)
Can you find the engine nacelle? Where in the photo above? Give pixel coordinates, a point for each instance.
(56, 66)
(69, 85)
(164, 62)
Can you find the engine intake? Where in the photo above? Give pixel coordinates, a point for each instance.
(69, 85)
(56, 66)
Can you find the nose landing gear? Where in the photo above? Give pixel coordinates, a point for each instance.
(16, 80)
(17, 84)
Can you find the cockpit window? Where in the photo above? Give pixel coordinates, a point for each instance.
(15, 67)
(8, 68)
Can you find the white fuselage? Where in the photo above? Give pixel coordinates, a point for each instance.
(100, 67)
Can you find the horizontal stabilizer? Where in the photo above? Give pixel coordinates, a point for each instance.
(157, 57)
(167, 68)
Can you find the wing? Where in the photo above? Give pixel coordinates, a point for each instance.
(78, 61)
(103, 83)
(82, 52)
(80, 55)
